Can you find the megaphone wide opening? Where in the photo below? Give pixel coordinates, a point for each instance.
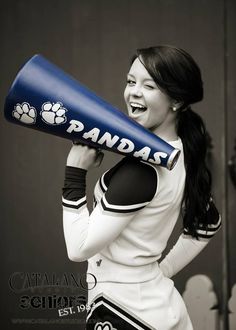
(173, 159)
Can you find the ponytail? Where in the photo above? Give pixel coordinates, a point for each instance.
(177, 74)
(192, 131)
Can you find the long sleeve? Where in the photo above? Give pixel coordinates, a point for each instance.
(87, 234)
(187, 247)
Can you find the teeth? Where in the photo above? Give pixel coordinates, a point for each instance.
(137, 105)
(137, 108)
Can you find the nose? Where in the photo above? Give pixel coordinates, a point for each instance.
(136, 91)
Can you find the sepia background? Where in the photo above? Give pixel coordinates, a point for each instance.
(93, 41)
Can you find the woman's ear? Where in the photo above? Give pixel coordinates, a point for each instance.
(176, 105)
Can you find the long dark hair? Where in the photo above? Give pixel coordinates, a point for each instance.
(177, 75)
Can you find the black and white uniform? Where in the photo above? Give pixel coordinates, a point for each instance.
(136, 206)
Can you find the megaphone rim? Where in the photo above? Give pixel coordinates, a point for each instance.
(173, 158)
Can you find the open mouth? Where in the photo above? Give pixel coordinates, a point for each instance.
(137, 108)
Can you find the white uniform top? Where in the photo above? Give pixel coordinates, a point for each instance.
(136, 208)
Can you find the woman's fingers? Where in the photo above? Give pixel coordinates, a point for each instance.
(84, 156)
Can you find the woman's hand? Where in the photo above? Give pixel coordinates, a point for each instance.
(84, 157)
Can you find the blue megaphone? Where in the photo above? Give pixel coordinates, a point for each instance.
(45, 98)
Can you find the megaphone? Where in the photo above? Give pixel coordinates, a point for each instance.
(45, 98)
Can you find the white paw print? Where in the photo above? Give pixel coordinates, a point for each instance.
(53, 113)
(104, 326)
(25, 113)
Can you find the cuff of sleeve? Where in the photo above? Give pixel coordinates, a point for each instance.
(74, 184)
(74, 173)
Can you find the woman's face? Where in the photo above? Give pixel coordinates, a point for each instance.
(146, 103)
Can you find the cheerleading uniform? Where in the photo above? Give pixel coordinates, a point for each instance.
(136, 206)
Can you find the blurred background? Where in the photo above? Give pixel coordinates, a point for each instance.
(93, 41)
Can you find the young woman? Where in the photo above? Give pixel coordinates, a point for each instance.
(137, 204)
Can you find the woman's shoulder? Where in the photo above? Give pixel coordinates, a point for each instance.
(129, 169)
(131, 181)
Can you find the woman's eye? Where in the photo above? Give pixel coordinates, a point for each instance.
(130, 82)
(149, 86)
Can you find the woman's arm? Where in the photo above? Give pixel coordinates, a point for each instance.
(87, 234)
(187, 247)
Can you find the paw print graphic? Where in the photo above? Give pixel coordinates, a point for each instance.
(104, 326)
(53, 113)
(25, 113)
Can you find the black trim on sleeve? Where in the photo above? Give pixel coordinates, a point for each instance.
(74, 204)
(131, 187)
(121, 209)
(212, 222)
(75, 183)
